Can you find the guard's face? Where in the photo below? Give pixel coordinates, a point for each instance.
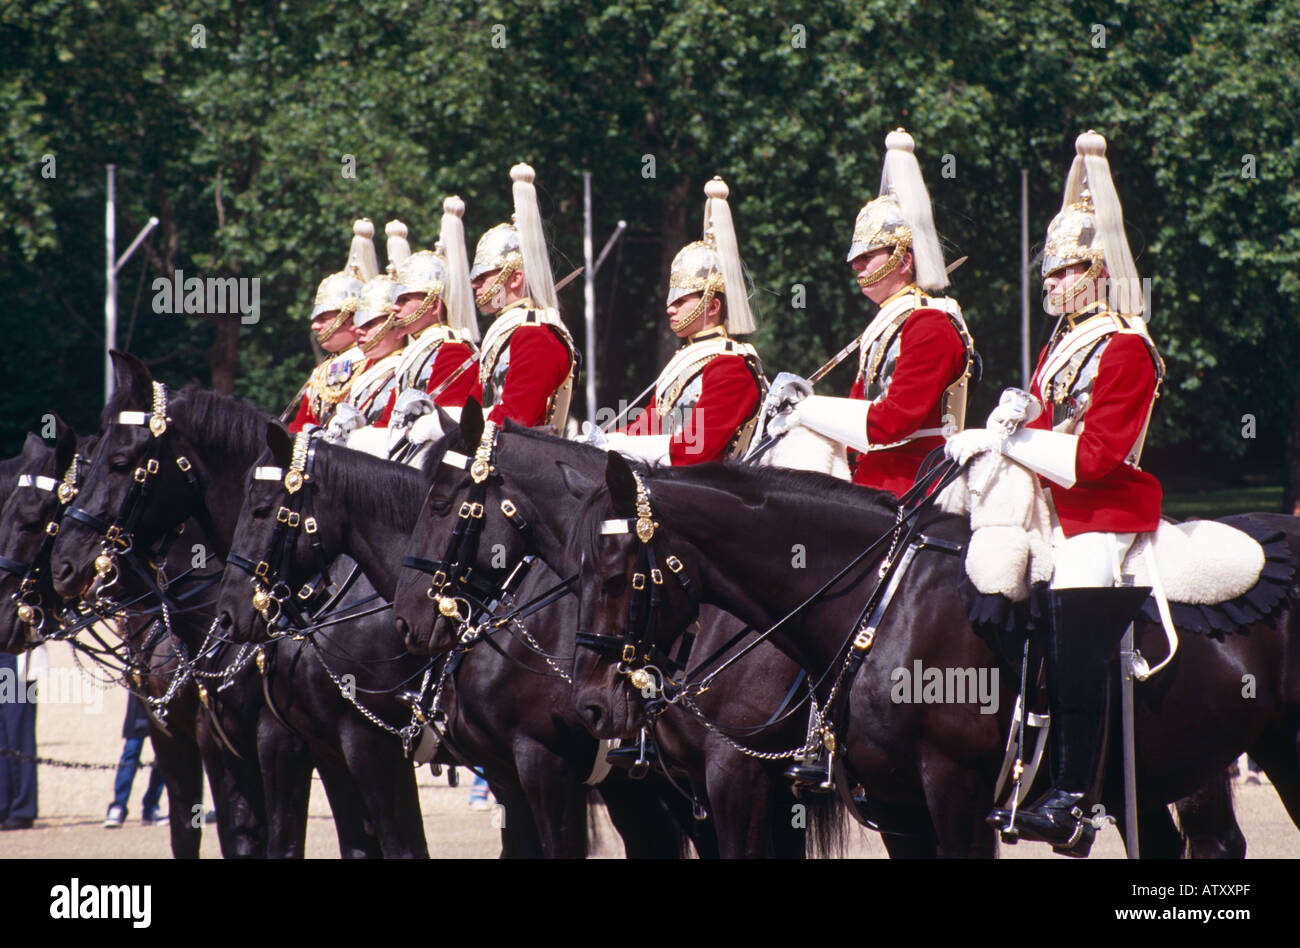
(482, 282)
(407, 304)
(1063, 293)
(344, 338)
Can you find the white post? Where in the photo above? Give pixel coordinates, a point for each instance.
(110, 286)
(113, 264)
(1024, 277)
(589, 296)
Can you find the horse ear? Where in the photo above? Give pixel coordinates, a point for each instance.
(471, 423)
(280, 442)
(621, 483)
(577, 483)
(131, 375)
(65, 447)
(450, 427)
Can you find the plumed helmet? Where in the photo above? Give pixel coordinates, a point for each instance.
(341, 291)
(901, 218)
(880, 225)
(712, 266)
(496, 250)
(1090, 228)
(377, 299)
(423, 272)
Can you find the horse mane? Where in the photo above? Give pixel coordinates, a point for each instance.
(372, 488)
(236, 429)
(750, 484)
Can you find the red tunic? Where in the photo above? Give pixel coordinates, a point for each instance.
(931, 357)
(304, 417)
(728, 398)
(1109, 495)
(451, 356)
(539, 364)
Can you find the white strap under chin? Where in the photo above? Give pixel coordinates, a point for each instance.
(456, 459)
(39, 481)
(268, 473)
(1141, 671)
(611, 527)
(132, 418)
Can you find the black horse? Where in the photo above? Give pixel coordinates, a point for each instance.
(149, 653)
(927, 768)
(506, 709)
(543, 480)
(140, 486)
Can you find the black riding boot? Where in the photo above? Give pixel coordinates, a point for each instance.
(1087, 625)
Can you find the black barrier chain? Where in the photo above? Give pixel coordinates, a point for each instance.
(65, 764)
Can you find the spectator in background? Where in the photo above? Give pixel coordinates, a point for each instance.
(19, 675)
(134, 729)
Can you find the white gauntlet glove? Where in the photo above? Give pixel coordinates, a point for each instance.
(964, 445)
(1016, 408)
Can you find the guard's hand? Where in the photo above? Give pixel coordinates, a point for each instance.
(1016, 408)
(787, 389)
(425, 428)
(964, 445)
(594, 436)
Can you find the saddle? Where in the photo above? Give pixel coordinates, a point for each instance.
(1218, 576)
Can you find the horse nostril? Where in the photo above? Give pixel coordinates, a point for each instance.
(594, 714)
(403, 629)
(225, 621)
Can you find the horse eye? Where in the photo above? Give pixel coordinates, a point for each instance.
(119, 462)
(36, 526)
(261, 513)
(615, 585)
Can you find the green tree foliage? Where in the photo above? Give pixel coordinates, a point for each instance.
(239, 147)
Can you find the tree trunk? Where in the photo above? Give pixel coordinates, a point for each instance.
(225, 355)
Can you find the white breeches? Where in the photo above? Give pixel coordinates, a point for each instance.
(1089, 559)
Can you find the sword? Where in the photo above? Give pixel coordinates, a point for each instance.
(577, 273)
(633, 404)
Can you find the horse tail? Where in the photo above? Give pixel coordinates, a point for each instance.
(1208, 823)
(828, 825)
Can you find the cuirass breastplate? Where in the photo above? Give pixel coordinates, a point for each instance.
(680, 413)
(495, 381)
(878, 385)
(1070, 389)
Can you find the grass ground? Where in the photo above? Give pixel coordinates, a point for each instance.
(1209, 504)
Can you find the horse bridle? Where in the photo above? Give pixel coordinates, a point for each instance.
(455, 584)
(119, 536)
(30, 611)
(272, 596)
(641, 661)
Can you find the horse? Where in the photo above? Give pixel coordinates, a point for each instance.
(28, 522)
(535, 762)
(540, 480)
(927, 768)
(140, 485)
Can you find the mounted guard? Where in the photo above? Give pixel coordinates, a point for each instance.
(706, 401)
(379, 335)
(528, 358)
(435, 305)
(331, 319)
(1082, 428)
(916, 357)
